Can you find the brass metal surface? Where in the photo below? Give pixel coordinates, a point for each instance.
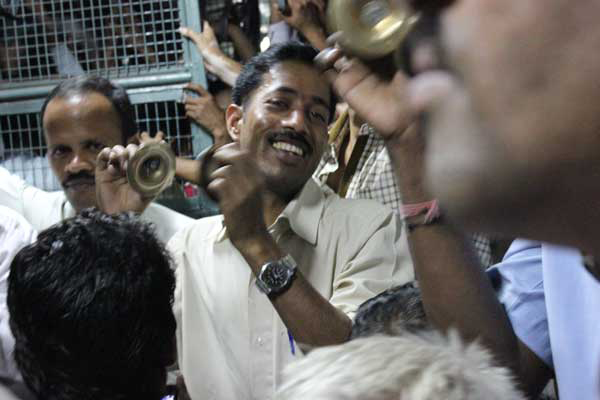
(151, 169)
(370, 29)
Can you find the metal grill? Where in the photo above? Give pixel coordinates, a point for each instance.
(49, 39)
(22, 150)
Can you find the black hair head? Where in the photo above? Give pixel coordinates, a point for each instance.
(90, 308)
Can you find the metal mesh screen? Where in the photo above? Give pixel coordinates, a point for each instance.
(51, 39)
(22, 150)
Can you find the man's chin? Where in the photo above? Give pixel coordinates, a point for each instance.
(80, 201)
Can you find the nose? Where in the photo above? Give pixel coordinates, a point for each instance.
(80, 163)
(296, 120)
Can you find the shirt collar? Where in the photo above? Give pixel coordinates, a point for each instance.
(303, 213)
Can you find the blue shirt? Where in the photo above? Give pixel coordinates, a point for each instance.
(554, 306)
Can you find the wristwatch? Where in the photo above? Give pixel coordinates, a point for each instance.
(276, 276)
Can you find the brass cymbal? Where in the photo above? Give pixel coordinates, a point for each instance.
(370, 28)
(151, 169)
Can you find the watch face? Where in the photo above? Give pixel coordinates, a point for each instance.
(276, 276)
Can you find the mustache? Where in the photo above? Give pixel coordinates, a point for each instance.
(292, 135)
(80, 177)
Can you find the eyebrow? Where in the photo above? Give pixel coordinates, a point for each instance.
(316, 99)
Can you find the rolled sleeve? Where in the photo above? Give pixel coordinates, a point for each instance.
(381, 262)
(521, 292)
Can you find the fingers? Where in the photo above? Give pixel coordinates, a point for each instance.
(326, 59)
(208, 30)
(190, 34)
(228, 153)
(115, 159)
(196, 88)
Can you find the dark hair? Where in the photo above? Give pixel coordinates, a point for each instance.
(115, 93)
(90, 308)
(393, 312)
(252, 72)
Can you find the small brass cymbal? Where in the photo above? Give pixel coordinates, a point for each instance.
(370, 28)
(151, 169)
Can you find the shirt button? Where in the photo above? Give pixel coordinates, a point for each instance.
(259, 341)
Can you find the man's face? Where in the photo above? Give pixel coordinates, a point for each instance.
(77, 128)
(284, 124)
(518, 126)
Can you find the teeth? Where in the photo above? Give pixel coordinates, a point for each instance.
(289, 147)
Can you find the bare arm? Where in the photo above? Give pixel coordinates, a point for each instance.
(215, 60)
(242, 44)
(455, 290)
(307, 17)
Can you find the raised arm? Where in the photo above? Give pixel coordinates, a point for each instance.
(455, 290)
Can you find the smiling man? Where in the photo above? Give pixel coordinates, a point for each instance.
(288, 263)
(80, 117)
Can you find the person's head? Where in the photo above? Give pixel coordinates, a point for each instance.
(281, 108)
(408, 367)
(515, 139)
(394, 312)
(80, 117)
(90, 310)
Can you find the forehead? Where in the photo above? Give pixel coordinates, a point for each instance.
(305, 80)
(80, 107)
(87, 112)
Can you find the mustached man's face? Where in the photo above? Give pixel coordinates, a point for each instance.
(284, 125)
(76, 128)
(514, 141)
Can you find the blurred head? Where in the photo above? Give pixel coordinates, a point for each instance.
(515, 135)
(393, 312)
(282, 107)
(80, 117)
(408, 367)
(90, 310)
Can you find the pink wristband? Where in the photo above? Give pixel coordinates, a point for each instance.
(431, 210)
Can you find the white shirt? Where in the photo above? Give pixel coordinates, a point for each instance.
(43, 209)
(15, 233)
(232, 344)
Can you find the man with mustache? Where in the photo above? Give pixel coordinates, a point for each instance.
(80, 117)
(289, 262)
(511, 146)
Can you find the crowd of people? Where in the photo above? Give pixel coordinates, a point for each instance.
(360, 249)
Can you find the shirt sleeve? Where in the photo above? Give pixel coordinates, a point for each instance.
(280, 32)
(12, 189)
(521, 291)
(381, 261)
(15, 233)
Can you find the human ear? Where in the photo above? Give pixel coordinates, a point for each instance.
(233, 118)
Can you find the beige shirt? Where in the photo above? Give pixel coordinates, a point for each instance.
(43, 209)
(232, 344)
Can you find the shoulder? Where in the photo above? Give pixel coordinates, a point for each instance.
(167, 222)
(198, 231)
(11, 220)
(361, 213)
(15, 231)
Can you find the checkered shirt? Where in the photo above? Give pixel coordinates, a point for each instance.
(374, 179)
